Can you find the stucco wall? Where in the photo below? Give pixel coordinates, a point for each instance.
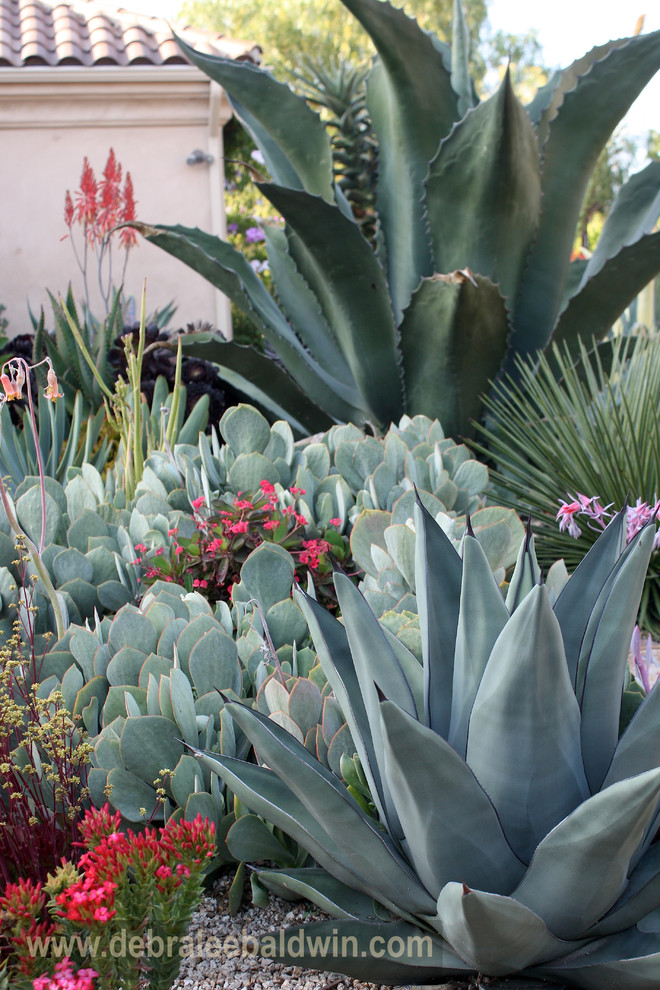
(153, 117)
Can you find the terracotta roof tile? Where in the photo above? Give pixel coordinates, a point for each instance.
(87, 32)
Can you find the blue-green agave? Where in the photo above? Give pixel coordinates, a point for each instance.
(477, 206)
(517, 825)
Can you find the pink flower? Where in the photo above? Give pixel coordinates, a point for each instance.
(296, 491)
(565, 516)
(335, 522)
(242, 503)
(197, 583)
(198, 502)
(267, 487)
(239, 527)
(271, 524)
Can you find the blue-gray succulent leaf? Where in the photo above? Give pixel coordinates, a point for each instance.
(494, 934)
(482, 617)
(483, 209)
(604, 656)
(369, 851)
(394, 952)
(429, 781)
(580, 869)
(438, 575)
(626, 961)
(525, 716)
(322, 889)
(412, 105)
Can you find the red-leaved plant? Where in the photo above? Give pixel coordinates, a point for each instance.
(210, 561)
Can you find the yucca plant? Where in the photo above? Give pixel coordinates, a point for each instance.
(516, 826)
(477, 206)
(588, 426)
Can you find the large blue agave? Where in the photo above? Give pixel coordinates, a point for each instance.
(516, 826)
(493, 187)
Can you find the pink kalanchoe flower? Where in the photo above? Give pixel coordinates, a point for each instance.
(335, 522)
(266, 486)
(198, 502)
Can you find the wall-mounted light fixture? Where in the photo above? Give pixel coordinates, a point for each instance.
(199, 157)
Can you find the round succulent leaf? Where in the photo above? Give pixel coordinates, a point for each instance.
(213, 663)
(103, 562)
(332, 718)
(400, 541)
(186, 779)
(72, 682)
(285, 623)
(115, 702)
(83, 645)
(113, 595)
(101, 660)
(286, 722)
(97, 688)
(83, 595)
(97, 779)
(106, 752)
(149, 744)
(248, 470)
(28, 513)
(305, 704)
(125, 666)
(170, 635)
(79, 496)
(267, 574)
(183, 705)
(244, 429)
(500, 532)
(341, 745)
(135, 800)
(159, 614)
(317, 459)
(155, 665)
(210, 704)
(130, 627)
(369, 530)
(201, 803)
(87, 525)
(274, 695)
(191, 634)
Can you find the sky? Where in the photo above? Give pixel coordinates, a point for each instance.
(566, 30)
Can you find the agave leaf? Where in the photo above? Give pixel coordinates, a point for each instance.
(526, 716)
(604, 656)
(438, 571)
(343, 272)
(640, 896)
(634, 213)
(581, 867)
(292, 137)
(584, 586)
(481, 618)
(461, 80)
(526, 573)
(429, 781)
(483, 192)
(263, 792)
(254, 374)
(229, 271)
(607, 294)
(361, 949)
(411, 667)
(331, 643)
(578, 131)
(379, 872)
(371, 851)
(453, 338)
(320, 888)
(412, 106)
(302, 307)
(628, 960)
(494, 934)
(638, 749)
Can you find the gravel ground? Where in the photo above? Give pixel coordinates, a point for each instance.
(236, 971)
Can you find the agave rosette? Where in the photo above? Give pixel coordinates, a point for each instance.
(516, 823)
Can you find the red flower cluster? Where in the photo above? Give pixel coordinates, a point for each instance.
(100, 206)
(229, 531)
(22, 907)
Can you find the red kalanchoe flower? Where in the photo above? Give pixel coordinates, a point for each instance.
(97, 825)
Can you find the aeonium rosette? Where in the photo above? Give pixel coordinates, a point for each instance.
(232, 527)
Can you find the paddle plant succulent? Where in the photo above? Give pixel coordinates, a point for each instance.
(516, 823)
(477, 206)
